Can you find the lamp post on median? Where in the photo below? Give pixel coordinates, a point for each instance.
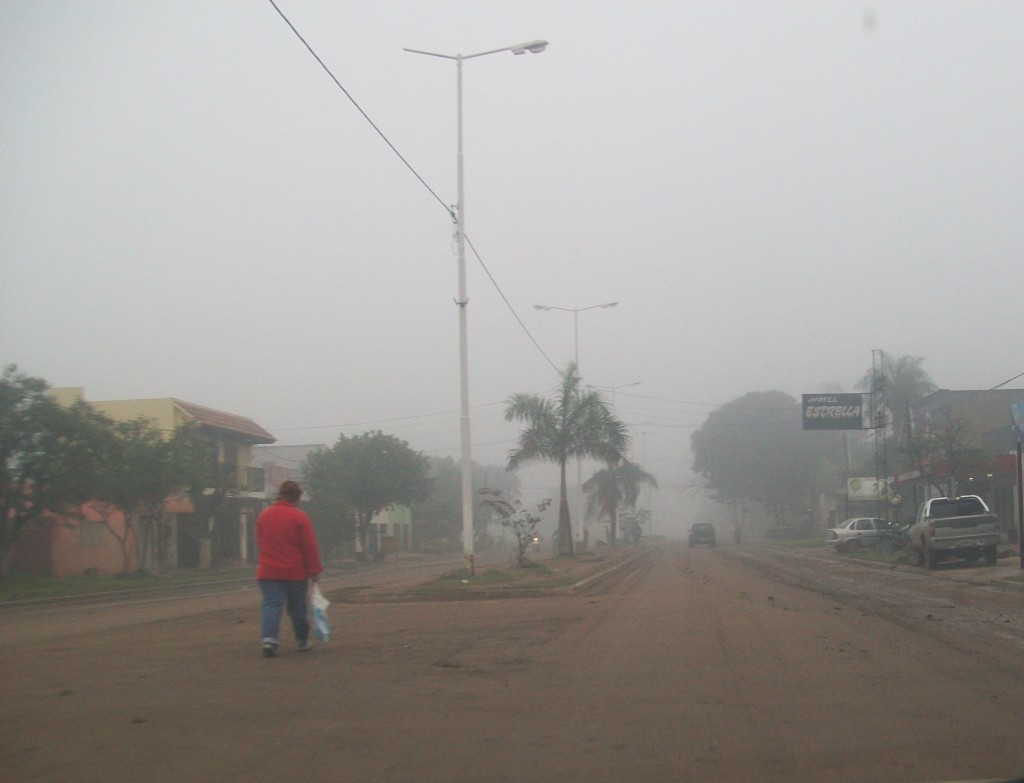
(576, 324)
(576, 343)
(459, 216)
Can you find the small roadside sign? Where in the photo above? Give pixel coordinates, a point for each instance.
(1017, 409)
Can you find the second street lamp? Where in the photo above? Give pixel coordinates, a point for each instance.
(534, 47)
(576, 324)
(576, 343)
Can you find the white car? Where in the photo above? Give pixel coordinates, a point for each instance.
(852, 535)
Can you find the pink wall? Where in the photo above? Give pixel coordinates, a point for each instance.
(85, 545)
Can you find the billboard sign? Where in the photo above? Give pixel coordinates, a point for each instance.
(864, 488)
(834, 412)
(1017, 409)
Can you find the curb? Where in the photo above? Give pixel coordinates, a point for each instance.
(1003, 584)
(619, 569)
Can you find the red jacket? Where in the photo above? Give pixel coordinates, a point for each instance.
(287, 544)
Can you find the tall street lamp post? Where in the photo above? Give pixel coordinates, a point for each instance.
(576, 343)
(459, 216)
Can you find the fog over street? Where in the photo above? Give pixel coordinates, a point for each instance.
(191, 207)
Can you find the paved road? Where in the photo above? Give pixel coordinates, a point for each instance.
(704, 665)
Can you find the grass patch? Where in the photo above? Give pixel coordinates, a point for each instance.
(532, 575)
(795, 543)
(878, 556)
(488, 577)
(21, 588)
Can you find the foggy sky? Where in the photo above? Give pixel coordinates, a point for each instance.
(189, 206)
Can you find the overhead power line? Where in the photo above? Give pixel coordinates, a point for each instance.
(379, 421)
(359, 108)
(977, 394)
(1008, 380)
(450, 210)
(509, 304)
(733, 404)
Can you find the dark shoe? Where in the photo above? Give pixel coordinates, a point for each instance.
(305, 646)
(269, 649)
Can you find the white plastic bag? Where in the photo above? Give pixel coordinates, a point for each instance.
(321, 625)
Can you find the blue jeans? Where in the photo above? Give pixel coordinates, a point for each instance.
(276, 594)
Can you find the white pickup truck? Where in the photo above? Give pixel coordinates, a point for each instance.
(953, 527)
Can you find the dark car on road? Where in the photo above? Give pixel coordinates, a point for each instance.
(703, 533)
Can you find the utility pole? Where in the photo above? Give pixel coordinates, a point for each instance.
(878, 423)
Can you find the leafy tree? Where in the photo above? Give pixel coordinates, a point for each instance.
(517, 517)
(575, 423)
(754, 449)
(136, 478)
(196, 468)
(50, 456)
(367, 472)
(439, 515)
(615, 486)
(496, 477)
(947, 440)
(331, 512)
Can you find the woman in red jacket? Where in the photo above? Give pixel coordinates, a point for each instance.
(289, 558)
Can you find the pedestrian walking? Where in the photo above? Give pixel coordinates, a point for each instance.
(289, 559)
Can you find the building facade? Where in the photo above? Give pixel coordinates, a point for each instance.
(974, 454)
(179, 537)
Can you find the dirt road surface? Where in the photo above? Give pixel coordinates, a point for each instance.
(698, 665)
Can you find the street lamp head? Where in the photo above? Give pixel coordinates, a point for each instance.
(533, 47)
(574, 309)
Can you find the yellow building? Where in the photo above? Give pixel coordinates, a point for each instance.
(184, 540)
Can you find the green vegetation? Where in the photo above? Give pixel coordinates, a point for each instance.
(559, 572)
(22, 588)
(870, 555)
(879, 556)
(56, 459)
(754, 450)
(360, 477)
(794, 543)
(529, 575)
(573, 423)
(27, 588)
(614, 487)
(518, 518)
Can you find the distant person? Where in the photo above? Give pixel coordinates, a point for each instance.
(635, 532)
(289, 559)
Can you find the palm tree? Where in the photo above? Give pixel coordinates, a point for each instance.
(901, 382)
(613, 486)
(573, 424)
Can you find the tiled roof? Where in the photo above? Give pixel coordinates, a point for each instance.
(229, 422)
